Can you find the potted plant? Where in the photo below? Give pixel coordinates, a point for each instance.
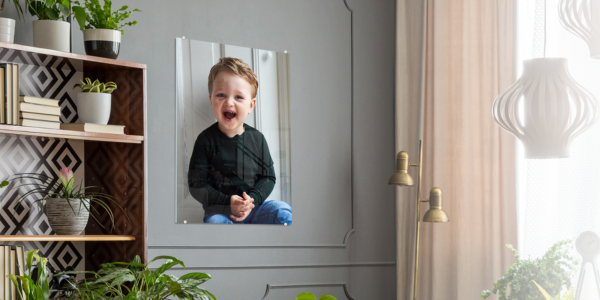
(51, 31)
(93, 103)
(34, 283)
(68, 207)
(102, 28)
(569, 295)
(553, 271)
(135, 280)
(7, 25)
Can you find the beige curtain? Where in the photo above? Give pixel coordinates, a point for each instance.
(469, 61)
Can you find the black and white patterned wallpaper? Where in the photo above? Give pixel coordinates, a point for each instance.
(46, 77)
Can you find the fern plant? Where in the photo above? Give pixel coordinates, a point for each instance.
(92, 15)
(88, 86)
(553, 270)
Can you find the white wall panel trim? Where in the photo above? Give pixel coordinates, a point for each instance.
(294, 266)
(343, 245)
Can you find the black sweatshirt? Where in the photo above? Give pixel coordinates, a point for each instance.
(223, 166)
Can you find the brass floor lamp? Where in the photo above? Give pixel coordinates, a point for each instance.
(435, 212)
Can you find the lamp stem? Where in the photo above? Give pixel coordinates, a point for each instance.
(418, 217)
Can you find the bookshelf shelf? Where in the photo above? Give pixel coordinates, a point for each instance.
(69, 134)
(80, 61)
(72, 238)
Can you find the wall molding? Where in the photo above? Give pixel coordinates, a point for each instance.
(293, 266)
(301, 285)
(330, 246)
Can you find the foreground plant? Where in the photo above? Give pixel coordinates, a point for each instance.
(135, 281)
(553, 270)
(64, 188)
(309, 296)
(35, 285)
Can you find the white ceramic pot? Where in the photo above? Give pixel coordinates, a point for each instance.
(102, 42)
(50, 34)
(7, 30)
(65, 219)
(93, 107)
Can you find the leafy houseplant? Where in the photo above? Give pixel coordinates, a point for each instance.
(94, 101)
(102, 28)
(50, 30)
(567, 296)
(309, 296)
(134, 280)
(553, 271)
(35, 286)
(68, 207)
(7, 25)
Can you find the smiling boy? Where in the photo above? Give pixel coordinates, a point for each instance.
(231, 171)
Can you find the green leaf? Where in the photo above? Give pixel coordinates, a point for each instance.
(4, 183)
(167, 265)
(306, 296)
(64, 9)
(327, 297)
(80, 15)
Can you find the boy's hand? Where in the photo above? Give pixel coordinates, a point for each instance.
(241, 207)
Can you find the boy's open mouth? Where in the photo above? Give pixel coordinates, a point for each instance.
(229, 115)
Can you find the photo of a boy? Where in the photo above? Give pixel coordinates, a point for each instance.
(231, 172)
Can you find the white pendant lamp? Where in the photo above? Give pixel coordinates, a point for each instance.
(582, 18)
(545, 108)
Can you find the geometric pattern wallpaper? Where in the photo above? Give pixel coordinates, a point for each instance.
(47, 77)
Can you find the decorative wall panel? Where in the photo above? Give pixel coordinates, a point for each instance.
(46, 77)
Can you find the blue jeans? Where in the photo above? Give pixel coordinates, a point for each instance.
(270, 212)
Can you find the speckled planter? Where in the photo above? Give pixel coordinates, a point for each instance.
(63, 220)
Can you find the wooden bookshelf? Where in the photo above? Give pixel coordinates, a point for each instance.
(116, 164)
(70, 134)
(72, 238)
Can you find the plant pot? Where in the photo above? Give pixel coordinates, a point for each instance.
(50, 34)
(102, 42)
(93, 107)
(7, 30)
(63, 220)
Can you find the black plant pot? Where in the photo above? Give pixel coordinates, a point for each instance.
(102, 42)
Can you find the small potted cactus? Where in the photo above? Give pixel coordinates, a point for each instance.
(93, 103)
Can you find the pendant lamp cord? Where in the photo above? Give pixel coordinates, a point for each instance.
(545, 17)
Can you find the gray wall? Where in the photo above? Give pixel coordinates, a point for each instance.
(314, 252)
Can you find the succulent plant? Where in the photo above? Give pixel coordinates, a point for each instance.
(88, 86)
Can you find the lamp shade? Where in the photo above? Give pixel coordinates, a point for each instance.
(401, 177)
(545, 108)
(435, 212)
(582, 18)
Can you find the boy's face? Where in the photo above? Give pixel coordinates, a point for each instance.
(231, 101)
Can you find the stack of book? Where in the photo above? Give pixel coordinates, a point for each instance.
(39, 112)
(11, 257)
(9, 91)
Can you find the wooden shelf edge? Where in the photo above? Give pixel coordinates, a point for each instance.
(72, 238)
(70, 134)
(81, 57)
